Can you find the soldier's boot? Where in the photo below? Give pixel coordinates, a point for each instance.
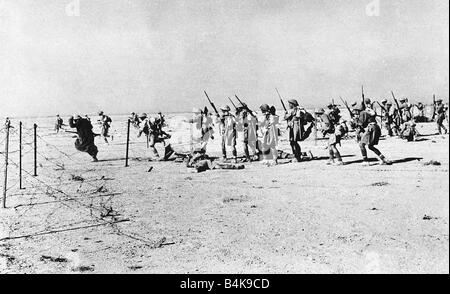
(247, 154)
(365, 162)
(385, 161)
(155, 152)
(168, 152)
(339, 159)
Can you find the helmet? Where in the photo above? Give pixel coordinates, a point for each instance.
(264, 108)
(225, 108)
(384, 101)
(293, 102)
(144, 115)
(319, 111)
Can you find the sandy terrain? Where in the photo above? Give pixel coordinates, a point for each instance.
(293, 218)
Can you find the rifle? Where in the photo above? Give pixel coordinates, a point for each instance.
(363, 98)
(282, 103)
(234, 105)
(72, 132)
(434, 107)
(243, 104)
(398, 107)
(212, 104)
(352, 115)
(381, 106)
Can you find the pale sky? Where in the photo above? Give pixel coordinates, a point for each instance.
(145, 55)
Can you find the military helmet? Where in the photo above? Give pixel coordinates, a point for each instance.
(319, 111)
(264, 108)
(293, 102)
(100, 113)
(384, 101)
(143, 115)
(225, 108)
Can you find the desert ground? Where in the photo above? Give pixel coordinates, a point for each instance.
(82, 217)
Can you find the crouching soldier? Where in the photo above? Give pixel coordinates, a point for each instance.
(408, 131)
(296, 119)
(85, 141)
(368, 133)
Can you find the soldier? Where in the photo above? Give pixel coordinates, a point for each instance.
(386, 117)
(150, 127)
(228, 131)
(85, 141)
(405, 109)
(269, 133)
(368, 133)
(336, 130)
(202, 127)
(248, 122)
(440, 116)
(333, 112)
(59, 123)
(421, 108)
(105, 121)
(297, 118)
(134, 119)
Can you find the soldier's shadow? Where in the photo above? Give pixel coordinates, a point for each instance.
(397, 161)
(327, 157)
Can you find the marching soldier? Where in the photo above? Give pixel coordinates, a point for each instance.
(440, 116)
(368, 133)
(297, 118)
(85, 141)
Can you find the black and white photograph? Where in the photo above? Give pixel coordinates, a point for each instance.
(224, 137)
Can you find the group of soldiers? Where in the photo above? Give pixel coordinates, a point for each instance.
(261, 130)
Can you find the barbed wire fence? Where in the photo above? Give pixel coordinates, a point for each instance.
(65, 194)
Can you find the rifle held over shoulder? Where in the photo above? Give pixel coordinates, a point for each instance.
(281, 99)
(212, 104)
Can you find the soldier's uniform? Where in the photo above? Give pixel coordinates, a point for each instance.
(336, 129)
(269, 131)
(105, 121)
(248, 123)
(297, 119)
(85, 141)
(368, 133)
(440, 116)
(59, 123)
(386, 116)
(228, 131)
